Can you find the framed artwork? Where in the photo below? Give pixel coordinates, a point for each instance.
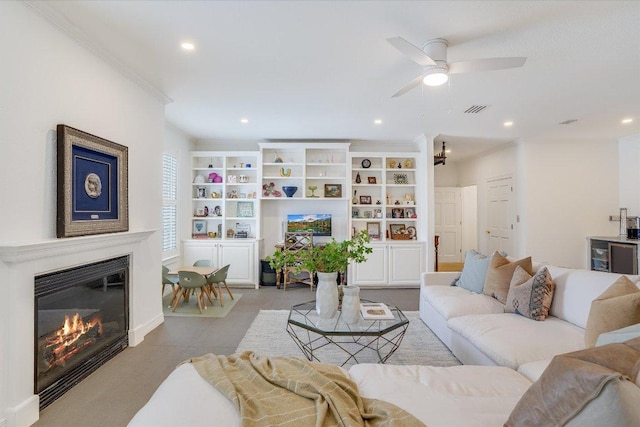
(92, 184)
(396, 228)
(365, 200)
(397, 213)
(199, 227)
(333, 190)
(245, 209)
(410, 213)
(355, 213)
(367, 214)
(371, 179)
(377, 213)
(400, 178)
(373, 230)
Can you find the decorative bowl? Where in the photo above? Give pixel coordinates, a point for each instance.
(289, 190)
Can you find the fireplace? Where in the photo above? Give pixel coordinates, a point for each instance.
(81, 321)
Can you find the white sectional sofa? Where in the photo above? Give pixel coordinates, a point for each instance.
(478, 331)
(512, 391)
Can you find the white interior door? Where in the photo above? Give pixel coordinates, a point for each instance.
(448, 223)
(469, 218)
(500, 214)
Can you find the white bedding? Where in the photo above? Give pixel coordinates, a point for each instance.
(473, 396)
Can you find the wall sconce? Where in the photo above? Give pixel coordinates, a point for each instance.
(439, 158)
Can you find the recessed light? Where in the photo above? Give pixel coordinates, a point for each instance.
(188, 46)
(507, 124)
(244, 121)
(447, 151)
(378, 121)
(628, 120)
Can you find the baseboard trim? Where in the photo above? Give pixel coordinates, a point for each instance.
(136, 335)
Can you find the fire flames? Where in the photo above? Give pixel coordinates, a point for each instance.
(67, 341)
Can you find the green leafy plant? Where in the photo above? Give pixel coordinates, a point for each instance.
(335, 256)
(280, 258)
(330, 257)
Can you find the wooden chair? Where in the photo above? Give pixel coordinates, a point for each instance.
(295, 242)
(188, 282)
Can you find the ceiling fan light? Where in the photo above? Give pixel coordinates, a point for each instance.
(435, 79)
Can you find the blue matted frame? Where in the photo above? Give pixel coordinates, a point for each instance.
(92, 184)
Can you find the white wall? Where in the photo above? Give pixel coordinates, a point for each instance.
(48, 79)
(446, 175)
(571, 189)
(629, 182)
(564, 191)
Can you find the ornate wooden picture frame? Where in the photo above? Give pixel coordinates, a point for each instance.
(92, 184)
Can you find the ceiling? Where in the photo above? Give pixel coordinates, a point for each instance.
(324, 70)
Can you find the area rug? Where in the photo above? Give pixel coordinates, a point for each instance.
(191, 309)
(267, 336)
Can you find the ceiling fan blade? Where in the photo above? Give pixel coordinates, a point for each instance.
(486, 64)
(414, 53)
(413, 83)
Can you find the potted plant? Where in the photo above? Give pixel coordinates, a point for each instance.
(326, 260)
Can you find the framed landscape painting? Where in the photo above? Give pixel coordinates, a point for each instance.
(92, 184)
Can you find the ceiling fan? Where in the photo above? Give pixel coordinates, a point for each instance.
(436, 70)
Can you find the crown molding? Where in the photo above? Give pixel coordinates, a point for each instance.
(75, 33)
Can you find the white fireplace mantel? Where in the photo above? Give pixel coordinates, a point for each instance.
(28, 251)
(21, 262)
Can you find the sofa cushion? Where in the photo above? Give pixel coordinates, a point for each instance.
(615, 308)
(453, 301)
(480, 396)
(592, 387)
(474, 271)
(499, 275)
(530, 296)
(575, 290)
(511, 340)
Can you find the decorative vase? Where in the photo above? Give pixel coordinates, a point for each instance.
(351, 304)
(327, 295)
(358, 179)
(289, 190)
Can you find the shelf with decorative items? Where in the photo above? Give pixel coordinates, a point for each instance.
(383, 190)
(304, 171)
(225, 189)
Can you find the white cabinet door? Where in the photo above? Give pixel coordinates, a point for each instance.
(242, 262)
(374, 271)
(407, 263)
(194, 251)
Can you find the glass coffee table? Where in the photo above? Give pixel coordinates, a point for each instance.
(330, 340)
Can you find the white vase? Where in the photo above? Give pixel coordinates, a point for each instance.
(327, 295)
(351, 304)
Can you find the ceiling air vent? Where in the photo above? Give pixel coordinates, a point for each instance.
(475, 109)
(568, 122)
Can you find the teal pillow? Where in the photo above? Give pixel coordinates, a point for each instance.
(474, 271)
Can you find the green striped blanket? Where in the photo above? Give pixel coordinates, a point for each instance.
(287, 391)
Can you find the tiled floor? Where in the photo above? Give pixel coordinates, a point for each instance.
(112, 395)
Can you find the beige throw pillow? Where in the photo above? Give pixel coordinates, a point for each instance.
(499, 275)
(616, 308)
(530, 296)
